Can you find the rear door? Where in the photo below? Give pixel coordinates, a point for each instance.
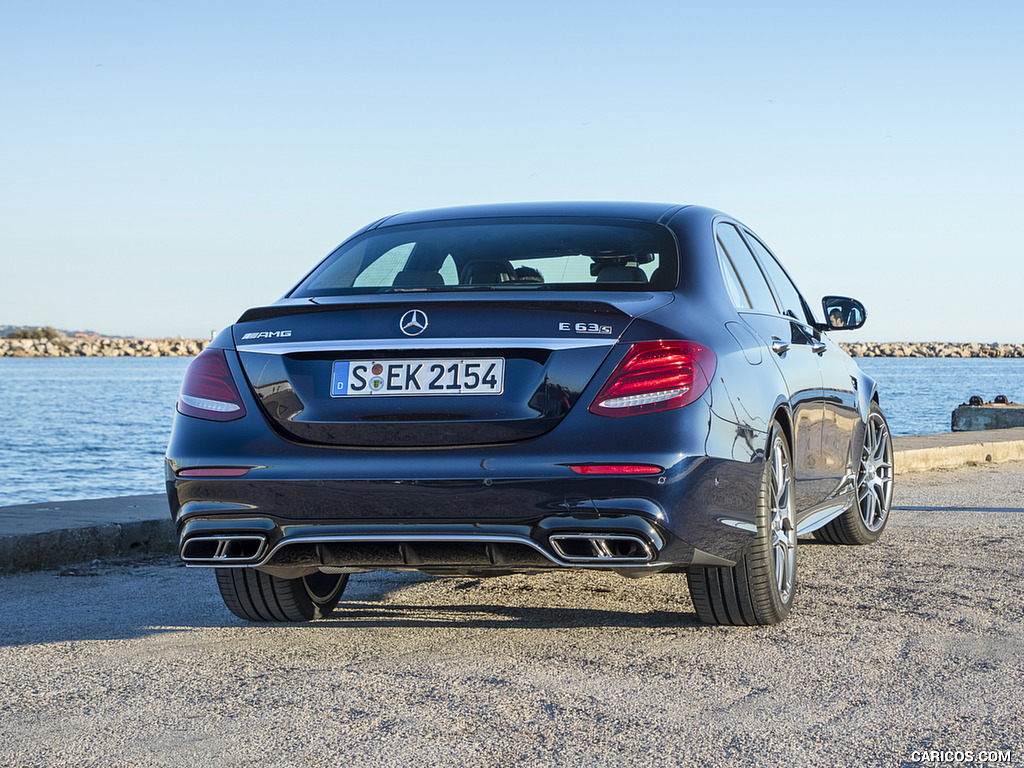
(790, 344)
(839, 397)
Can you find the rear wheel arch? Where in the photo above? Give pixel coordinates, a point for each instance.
(783, 418)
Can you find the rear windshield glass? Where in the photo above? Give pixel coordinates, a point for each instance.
(505, 254)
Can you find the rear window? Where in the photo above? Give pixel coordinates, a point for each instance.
(521, 255)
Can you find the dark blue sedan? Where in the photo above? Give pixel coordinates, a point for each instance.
(515, 388)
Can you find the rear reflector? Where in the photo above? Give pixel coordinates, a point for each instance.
(656, 376)
(209, 391)
(214, 472)
(615, 469)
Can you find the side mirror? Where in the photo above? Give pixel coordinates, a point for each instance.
(843, 313)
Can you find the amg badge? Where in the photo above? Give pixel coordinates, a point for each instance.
(267, 335)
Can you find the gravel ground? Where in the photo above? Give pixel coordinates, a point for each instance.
(895, 652)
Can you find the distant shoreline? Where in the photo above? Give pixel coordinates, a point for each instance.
(119, 347)
(931, 349)
(101, 347)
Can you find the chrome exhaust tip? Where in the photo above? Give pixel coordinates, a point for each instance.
(601, 548)
(223, 550)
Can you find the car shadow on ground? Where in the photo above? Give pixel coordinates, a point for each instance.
(125, 603)
(488, 616)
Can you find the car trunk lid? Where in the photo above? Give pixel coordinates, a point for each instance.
(436, 371)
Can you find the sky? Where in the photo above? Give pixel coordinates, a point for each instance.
(164, 166)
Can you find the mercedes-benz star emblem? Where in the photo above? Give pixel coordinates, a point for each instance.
(413, 322)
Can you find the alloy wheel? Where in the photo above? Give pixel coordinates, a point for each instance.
(783, 521)
(874, 480)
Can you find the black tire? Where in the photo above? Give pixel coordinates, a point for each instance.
(760, 588)
(865, 520)
(257, 596)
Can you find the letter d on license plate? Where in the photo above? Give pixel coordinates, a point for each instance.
(364, 378)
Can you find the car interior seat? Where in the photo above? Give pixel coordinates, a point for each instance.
(615, 273)
(487, 273)
(411, 278)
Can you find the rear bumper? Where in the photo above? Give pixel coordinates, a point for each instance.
(699, 508)
(692, 513)
(624, 543)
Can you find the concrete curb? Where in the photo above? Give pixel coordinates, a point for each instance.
(32, 552)
(55, 534)
(52, 534)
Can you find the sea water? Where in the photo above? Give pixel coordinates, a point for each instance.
(79, 428)
(919, 394)
(85, 427)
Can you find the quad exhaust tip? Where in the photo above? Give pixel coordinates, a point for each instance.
(601, 548)
(223, 550)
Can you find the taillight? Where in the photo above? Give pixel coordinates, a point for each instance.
(209, 391)
(656, 376)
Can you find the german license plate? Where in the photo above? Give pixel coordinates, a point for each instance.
(473, 376)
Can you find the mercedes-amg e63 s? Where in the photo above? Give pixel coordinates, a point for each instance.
(515, 388)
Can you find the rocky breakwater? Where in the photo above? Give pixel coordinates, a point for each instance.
(116, 347)
(101, 347)
(932, 349)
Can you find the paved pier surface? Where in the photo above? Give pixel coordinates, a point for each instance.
(895, 654)
(52, 534)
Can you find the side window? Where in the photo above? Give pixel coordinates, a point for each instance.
(755, 293)
(732, 282)
(788, 294)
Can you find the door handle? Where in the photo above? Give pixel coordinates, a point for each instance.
(779, 347)
(818, 347)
